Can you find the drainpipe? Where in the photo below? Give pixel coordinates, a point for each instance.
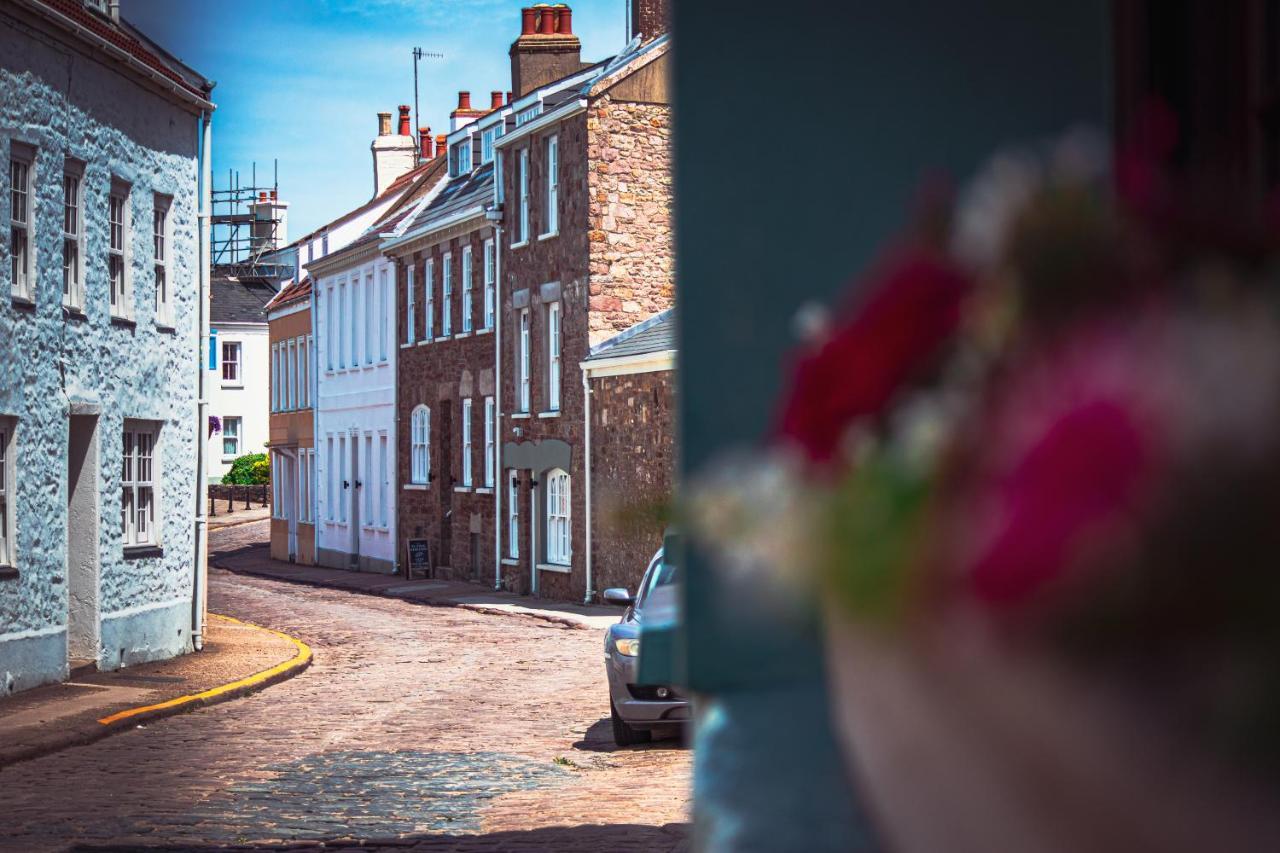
(201, 579)
(499, 478)
(586, 426)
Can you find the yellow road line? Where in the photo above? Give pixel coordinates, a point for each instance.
(301, 659)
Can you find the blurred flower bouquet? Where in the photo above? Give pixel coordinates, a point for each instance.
(1048, 425)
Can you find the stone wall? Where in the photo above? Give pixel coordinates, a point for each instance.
(632, 260)
(632, 473)
(68, 105)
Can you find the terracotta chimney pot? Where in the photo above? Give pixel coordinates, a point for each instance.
(404, 120)
(509, 98)
(384, 124)
(424, 142)
(464, 100)
(527, 21)
(495, 100)
(565, 22)
(441, 148)
(547, 21)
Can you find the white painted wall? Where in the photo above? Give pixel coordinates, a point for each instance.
(66, 103)
(249, 399)
(356, 398)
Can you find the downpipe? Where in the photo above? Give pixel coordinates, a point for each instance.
(199, 595)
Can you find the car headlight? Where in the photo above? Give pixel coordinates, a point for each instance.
(629, 646)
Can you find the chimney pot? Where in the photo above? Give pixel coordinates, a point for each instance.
(464, 100)
(565, 22)
(262, 196)
(384, 124)
(273, 195)
(527, 18)
(495, 100)
(441, 149)
(424, 143)
(404, 120)
(509, 98)
(547, 21)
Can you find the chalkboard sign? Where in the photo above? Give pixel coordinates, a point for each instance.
(419, 558)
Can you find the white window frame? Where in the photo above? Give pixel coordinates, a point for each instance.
(330, 469)
(384, 480)
(429, 285)
(73, 234)
(311, 485)
(162, 244)
(559, 513)
(554, 336)
(300, 490)
(490, 290)
(420, 445)
(22, 243)
(489, 441)
(466, 443)
(487, 137)
(498, 192)
(343, 458)
(236, 381)
(238, 437)
(523, 188)
(525, 389)
(275, 377)
(289, 365)
(277, 484)
(513, 513)
(118, 250)
(140, 485)
(552, 211)
(446, 295)
(370, 316)
(409, 304)
(304, 373)
(342, 327)
(467, 275)
(329, 297)
(357, 305)
(8, 483)
(313, 365)
(385, 314)
(366, 482)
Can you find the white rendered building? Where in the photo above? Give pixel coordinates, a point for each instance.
(239, 367)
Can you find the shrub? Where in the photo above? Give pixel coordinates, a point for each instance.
(252, 469)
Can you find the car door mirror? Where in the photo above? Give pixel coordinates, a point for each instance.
(618, 597)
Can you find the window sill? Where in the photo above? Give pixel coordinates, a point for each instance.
(406, 346)
(138, 552)
(8, 573)
(510, 561)
(231, 458)
(552, 414)
(519, 245)
(484, 490)
(462, 488)
(71, 312)
(166, 328)
(442, 338)
(424, 342)
(488, 330)
(519, 416)
(555, 567)
(22, 303)
(239, 386)
(542, 237)
(125, 322)
(416, 487)
(462, 335)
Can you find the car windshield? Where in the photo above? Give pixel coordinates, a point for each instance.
(660, 573)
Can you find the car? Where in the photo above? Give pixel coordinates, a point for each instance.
(638, 711)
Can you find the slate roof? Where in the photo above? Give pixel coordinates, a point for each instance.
(657, 334)
(242, 301)
(291, 292)
(461, 193)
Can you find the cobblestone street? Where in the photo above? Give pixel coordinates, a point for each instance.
(424, 727)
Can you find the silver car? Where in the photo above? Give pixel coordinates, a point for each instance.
(638, 710)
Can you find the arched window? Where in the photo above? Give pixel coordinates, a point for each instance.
(420, 445)
(558, 536)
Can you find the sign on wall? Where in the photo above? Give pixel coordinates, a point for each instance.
(419, 564)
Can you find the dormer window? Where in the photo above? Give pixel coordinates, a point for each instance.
(528, 115)
(462, 157)
(487, 139)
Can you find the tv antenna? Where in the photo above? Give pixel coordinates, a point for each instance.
(418, 54)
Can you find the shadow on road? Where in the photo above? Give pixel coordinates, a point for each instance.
(599, 738)
(616, 837)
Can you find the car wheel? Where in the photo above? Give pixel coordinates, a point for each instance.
(623, 733)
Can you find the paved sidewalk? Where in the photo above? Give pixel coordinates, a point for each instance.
(250, 555)
(240, 516)
(47, 719)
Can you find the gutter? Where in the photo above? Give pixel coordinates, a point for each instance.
(199, 595)
(642, 363)
(170, 85)
(434, 227)
(586, 425)
(501, 483)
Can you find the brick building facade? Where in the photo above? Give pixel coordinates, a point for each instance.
(291, 429)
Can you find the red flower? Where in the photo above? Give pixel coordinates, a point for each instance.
(912, 311)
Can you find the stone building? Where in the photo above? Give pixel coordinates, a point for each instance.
(446, 261)
(292, 424)
(585, 254)
(354, 314)
(105, 139)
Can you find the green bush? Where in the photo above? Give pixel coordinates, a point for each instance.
(252, 469)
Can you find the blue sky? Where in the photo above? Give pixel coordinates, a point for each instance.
(303, 80)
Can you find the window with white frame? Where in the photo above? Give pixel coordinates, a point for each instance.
(160, 243)
(466, 442)
(522, 178)
(410, 320)
(231, 367)
(384, 314)
(370, 318)
(466, 288)
(344, 310)
(72, 233)
(513, 513)
(21, 184)
(328, 328)
(462, 156)
(311, 486)
(420, 445)
(498, 192)
(231, 436)
(489, 436)
(384, 481)
(344, 484)
(446, 295)
(300, 493)
(292, 381)
(553, 356)
(312, 367)
(558, 533)
(275, 377)
(8, 556)
(429, 284)
(525, 357)
(490, 293)
(304, 386)
(117, 249)
(366, 481)
(487, 138)
(331, 502)
(138, 484)
(277, 485)
(357, 306)
(551, 220)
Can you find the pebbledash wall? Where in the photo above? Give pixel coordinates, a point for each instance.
(59, 368)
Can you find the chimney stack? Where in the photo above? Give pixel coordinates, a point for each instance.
(649, 19)
(495, 101)
(384, 124)
(424, 141)
(465, 113)
(546, 48)
(395, 155)
(404, 120)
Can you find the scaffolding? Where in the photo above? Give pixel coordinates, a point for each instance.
(248, 227)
